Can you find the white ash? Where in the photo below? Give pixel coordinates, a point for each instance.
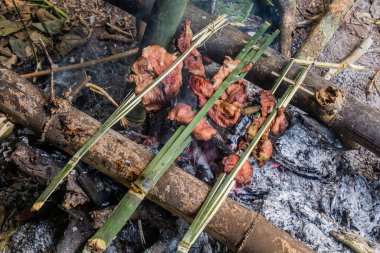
(317, 197)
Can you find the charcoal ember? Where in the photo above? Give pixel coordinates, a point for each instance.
(193, 62)
(280, 123)
(76, 233)
(268, 102)
(202, 164)
(74, 195)
(95, 187)
(307, 148)
(245, 173)
(182, 113)
(99, 217)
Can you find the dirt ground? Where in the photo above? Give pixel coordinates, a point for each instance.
(16, 189)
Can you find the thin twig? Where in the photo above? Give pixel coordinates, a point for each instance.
(52, 93)
(84, 64)
(128, 34)
(95, 88)
(374, 83)
(73, 90)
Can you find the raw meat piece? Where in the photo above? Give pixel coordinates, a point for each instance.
(182, 113)
(193, 62)
(245, 173)
(280, 123)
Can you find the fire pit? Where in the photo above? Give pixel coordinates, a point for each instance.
(318, 190)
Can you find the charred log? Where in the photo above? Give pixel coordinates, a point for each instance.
(122, 159)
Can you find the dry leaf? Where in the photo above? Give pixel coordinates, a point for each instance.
(8, 61)
(8, 27)
(35, 36)
(18, 47)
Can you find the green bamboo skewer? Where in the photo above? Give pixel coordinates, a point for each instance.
(119, 113)
(210, 207)
(152, 173)
(196, 227)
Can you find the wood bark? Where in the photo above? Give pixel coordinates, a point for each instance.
(288, 25)
(122, 159)
(354, 120)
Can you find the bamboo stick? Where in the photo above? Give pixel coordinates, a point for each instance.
(153, 172)
(335, 66)
(120, 112)
(292, 82)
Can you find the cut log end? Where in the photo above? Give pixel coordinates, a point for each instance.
(331, 101)
(95, 246)
(36, 206)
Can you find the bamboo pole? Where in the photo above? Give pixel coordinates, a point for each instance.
(323, 31)
(234, 225)
(163, 22)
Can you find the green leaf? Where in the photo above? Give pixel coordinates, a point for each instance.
(53, 27)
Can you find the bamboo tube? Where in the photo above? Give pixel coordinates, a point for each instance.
(234, 225)
(163, 22)
(323, 31)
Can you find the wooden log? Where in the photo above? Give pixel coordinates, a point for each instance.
(323, 31)
(122, 159)
(354, 120)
